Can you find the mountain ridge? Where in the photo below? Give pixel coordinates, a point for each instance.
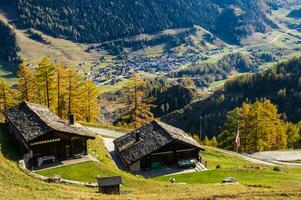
(97, 21)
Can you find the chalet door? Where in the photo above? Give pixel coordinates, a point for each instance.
(67, 151)
(78, 146)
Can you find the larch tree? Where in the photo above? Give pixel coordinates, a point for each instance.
(46, 82)
(26, 83)
(245, 125)
(62, 90)
(75, 92)
(91, 105)
(227, 137)
(293, 134)
(207, 141)
(8, 96)
(214, 142)
(261, 128)
(138, 105)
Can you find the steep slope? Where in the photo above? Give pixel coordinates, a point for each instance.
(8, 43)
(280, 84)
(95, 20)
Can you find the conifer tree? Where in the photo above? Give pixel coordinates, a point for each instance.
(46, 86)
(227, 137)
(261, 128)
(75, 93)
(207, 141)
(138, 106)
(91, 105)
(196, 138)
(8, 96)
(214, 142)
(26, 83)
(62, 92)
(293, 136)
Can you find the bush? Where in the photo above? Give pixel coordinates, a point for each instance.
(218, 167)
(277, 169)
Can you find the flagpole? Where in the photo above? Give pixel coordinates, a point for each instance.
(237, 139)
(237, 132)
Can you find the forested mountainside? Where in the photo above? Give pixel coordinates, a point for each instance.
(8, 43)
(102, 20)
(295, 13)
(281, 84)
(207, 73)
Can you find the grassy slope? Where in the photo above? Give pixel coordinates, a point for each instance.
(14, 184)
(8, 72)
(215, 158)
(244, 171)
(92, 169)
(63, 50)
(254, 177)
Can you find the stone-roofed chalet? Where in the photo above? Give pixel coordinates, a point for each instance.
(42, 133)
(154, 145)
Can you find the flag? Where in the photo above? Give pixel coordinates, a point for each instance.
(237, 139)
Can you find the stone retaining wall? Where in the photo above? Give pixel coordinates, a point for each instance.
(22, 166)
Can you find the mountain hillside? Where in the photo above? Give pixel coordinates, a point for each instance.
(8, 43)
(280, 84)
(96, 20)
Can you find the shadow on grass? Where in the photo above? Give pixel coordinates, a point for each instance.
(9, 146)
(9, 69)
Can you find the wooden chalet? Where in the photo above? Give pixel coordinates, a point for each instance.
(41, 133)
(109, 185)
(156, 145)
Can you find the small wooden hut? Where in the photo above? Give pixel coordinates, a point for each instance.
(109, 185)
(43, 135)
(156, 145)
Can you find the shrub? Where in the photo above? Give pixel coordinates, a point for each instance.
(277, 169)
(218, 167)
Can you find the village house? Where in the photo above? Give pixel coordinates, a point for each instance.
(155, 146)
(44, 136)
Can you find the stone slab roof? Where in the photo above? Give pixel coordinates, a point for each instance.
(151, 137)
(34, 120)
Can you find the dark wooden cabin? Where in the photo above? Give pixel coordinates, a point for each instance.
(156, 145)
(109, 185)
(41, 133)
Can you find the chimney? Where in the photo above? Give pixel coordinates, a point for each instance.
(137, 137)
(71, 118)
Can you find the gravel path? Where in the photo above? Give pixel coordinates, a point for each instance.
(271, 158)
(108, 137)
(280, 157)
(246, 157)
(106, 132)
(108, 142)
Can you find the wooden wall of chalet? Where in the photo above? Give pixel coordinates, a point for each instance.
(170, 155)
(69, 146)
(18, 136)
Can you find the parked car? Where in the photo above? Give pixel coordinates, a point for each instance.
(190, 163)
(229, 180)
